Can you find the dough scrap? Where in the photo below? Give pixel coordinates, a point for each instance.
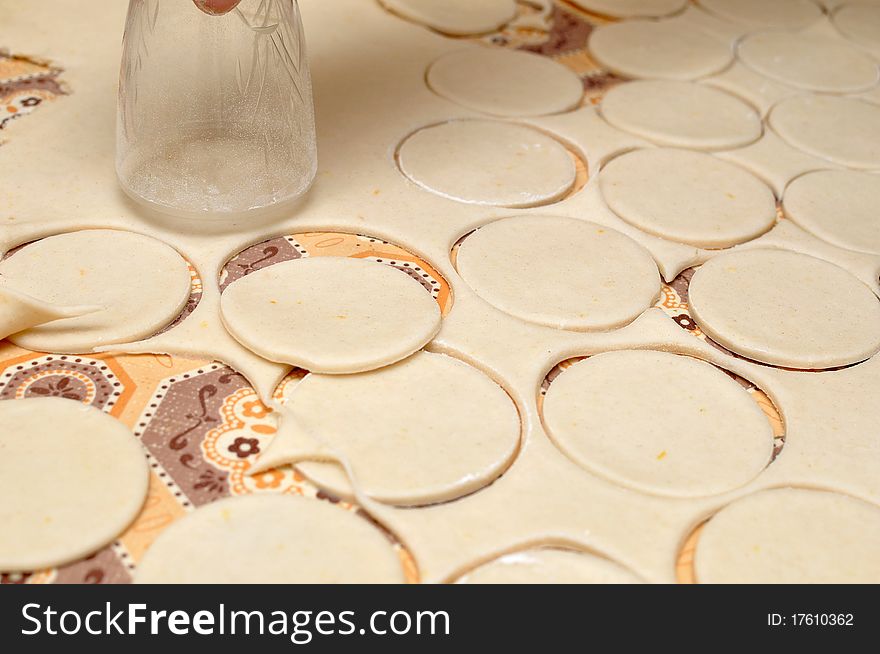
(689, 197)
(839, 206)
(488, 162)
(560, 272)
(632, 8)
(791, 535)
(550, 566)
(505, 82)
(860, 23)
(428, 429)
(456, 17)
(660, 423)
(808, 61)
(788, 14)
(662, 50)
(283, 539)
(141, 285)
(786, 309)
(842, 130)
(331, 315)
(71, 480)
(681, 114)
(19, 311)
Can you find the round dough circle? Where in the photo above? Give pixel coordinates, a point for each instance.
(785, 309)
(842, 130)
(62, 499)
(284, 540)
(860, 23)
(662, 50)
(787, 14)
(505, 82)
(560, 272)
(661, 423)
(810, 62)
(682, 114)
(332, 315)
(838, 206)
(456, 17)
(141, 283)
(550, 566)
(791, 535)
(689, 197)
(632, 8)
(428, 429)
(488, 162)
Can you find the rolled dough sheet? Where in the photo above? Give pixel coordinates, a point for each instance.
(682, 114)
(860, 23)
(428, 429)
(505, 82)
(560, 272)
(632, 8)
(331, 314)
(842, 130)
(839, 206)
(71, 480)
(488, 162)
(550, 566)
(19, 311)
(787, 14)
(661, 50)
(786, 309)
(140, 283)
(282, 538)
(791, 536)
(688, 197)
(456, 17)
(660, 423)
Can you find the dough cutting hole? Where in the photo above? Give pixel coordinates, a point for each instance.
(43, 84)
(456, 18)
(660, 423)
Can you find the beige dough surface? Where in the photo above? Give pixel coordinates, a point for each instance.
(505, 82)
(791, 536)
(19, 311)
(632, 8)
(489, 163)
(810, 62)
(71, 480)
(662, 50)
(550, 566)
(787, 14)
(427, 429)
(842, 130)
(682, 114)
(456, 17)
(559, 272)
(331, 314)
(139, 283)
(860, 23)
(690, 197)
(658, 422)
(786, 309)
(839, 206)
(284, 539)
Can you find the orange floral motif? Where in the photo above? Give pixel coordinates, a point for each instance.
(255, 409)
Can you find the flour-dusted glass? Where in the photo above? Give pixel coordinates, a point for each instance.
(215, 113)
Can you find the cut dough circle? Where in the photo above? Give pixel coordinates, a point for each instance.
(19, 311)
(140, 283)
(488, 162)
(809, 61)
(428, 429)
(505, 82)
(791, 536)
(560, 272)
(456, 17)
(661, 423)
(787, 14)
(632, 8)
(662, 50)
(860, 23)
(786, 309)
(284, 540)
(71, 480)
(839, 206)
(689, 197)
(842, 130)
(332, 315)
(550, 566)
(682, 114)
